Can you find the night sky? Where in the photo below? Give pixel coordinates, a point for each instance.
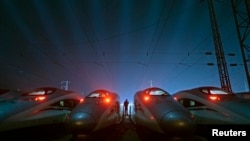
(120, 45)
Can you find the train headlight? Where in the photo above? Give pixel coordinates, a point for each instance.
(81, 100)
(175, 98)
(214, 98)
(40, 98)
(146, 98)
(107, 100)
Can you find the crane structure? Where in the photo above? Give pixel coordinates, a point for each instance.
(241, 12)
(221, 62)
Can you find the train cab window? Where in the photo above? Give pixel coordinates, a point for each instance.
(41, 91)
(98, 95)
(215, 91)
(190, 103)
(68, 103)
(194, 103)
(157, 92)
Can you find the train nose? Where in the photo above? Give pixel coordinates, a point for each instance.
(177, 123)
(80, 121)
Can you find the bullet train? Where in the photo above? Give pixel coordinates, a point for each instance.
(215, 106)
(100, 109)
(155, 109)
(38, 107)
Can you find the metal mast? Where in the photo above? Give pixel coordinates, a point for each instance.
(241, 13)
(66, 86)
(221, 63)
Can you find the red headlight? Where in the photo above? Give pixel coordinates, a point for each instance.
(214, 98)
(40, 98)
(81, 100)
(175, 98)
(146, 98)
(107, 100)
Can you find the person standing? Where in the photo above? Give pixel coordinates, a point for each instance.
(126, 106)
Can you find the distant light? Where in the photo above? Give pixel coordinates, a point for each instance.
(152, 118)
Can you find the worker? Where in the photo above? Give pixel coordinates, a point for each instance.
(126, 106)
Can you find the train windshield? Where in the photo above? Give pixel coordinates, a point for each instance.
(216, 94)
(157, 92)
(214, 91)
(41, 92)
(154, 94)
(98, 94)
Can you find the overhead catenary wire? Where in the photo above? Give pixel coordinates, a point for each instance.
(99, 57)
(151, 51)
